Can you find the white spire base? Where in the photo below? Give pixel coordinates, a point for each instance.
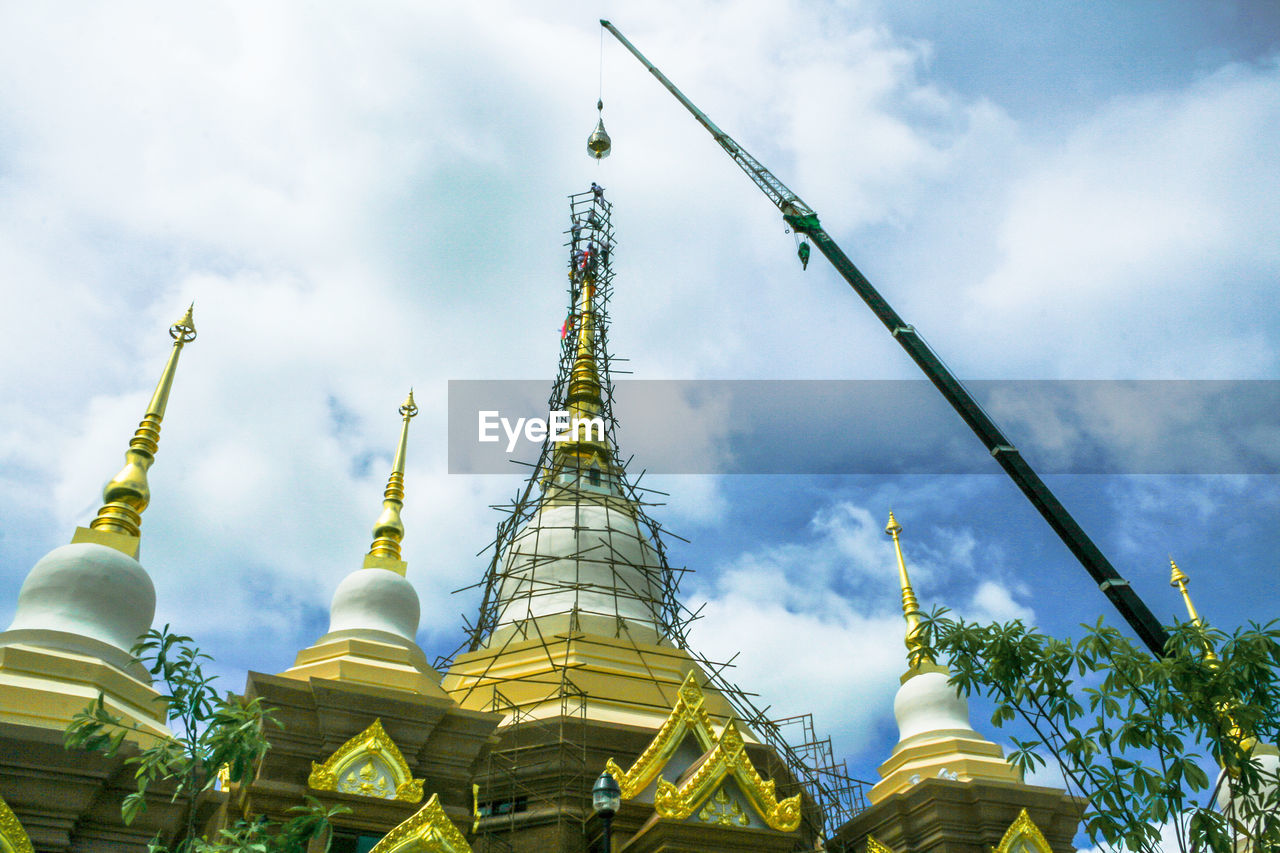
(936, 739)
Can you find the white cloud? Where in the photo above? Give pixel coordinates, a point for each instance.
(994, 603)
(352, 201)
(1143, 245)
(834, 641)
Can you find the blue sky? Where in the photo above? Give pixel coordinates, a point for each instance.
(360, 200)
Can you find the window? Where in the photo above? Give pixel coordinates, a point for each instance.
(501, 807)
(352, 842)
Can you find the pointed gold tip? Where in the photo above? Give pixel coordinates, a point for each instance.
(408, 409)
(127, 495)
(184, 330)
(1177, 577)
(893, 528)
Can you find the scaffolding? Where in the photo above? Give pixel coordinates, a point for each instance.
(538, 771)
(577, 542)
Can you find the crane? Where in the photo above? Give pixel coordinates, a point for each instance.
(804, 220)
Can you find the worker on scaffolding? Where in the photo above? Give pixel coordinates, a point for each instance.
(576, 230)
(597, 191)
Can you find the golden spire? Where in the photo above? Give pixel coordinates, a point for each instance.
(388, 530)
(1179, 579)
(1242, 739)
(127, 495)
(916, 655)
(585, 399)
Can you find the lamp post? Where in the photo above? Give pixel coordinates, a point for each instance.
(606, 799)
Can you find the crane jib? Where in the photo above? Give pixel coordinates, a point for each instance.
(804, 220)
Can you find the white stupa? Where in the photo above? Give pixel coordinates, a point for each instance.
(84, 605)
(935, 738)
(373, 620)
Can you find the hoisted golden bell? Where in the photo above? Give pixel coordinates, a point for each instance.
(598, 143)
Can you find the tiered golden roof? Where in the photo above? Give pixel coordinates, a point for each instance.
(688, 716)
(704, 791)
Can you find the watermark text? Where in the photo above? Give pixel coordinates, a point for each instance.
(560, 426)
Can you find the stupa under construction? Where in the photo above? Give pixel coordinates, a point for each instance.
(581, 637)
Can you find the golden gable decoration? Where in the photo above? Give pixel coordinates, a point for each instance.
(370, 765)
(428, 831)
(13, 838)
(688, 715)
(1023, 836)
(723, 810)
(728, 759)
(874, 846)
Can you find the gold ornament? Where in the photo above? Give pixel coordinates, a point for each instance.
(688, 715)
(428, 831)
(1023, 836)
(722, 810)
(13, 838)
(728, 759)
(388, 529)
(384, 772)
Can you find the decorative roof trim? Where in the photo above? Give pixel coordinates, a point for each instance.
(1023, 829)
(372, 743)
(429, 830)
(13, 838)
(688, 715)
(728, 758)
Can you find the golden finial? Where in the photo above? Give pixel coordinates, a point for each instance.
(1179, 579)
(388, 530)
(127, 495)
(916, 655)
(598, 143)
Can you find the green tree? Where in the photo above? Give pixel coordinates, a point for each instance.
(1153, 743)
(210, 732)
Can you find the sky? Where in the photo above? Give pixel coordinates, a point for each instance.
(363, 199)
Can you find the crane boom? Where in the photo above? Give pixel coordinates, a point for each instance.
(803, 219)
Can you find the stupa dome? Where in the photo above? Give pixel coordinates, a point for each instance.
(84, 591)
(375, 600)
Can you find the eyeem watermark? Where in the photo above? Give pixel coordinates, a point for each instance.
(882, 427)
(560, 426)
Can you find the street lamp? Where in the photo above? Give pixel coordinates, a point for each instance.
(606, 799)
